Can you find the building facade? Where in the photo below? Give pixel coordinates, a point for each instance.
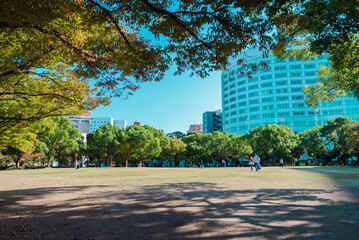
(97, 122)
(193, 128)
(120, 123)
(82, 122)
(212, 121)
(275, 96)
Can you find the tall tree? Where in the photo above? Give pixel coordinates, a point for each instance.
(176, 149)
(335, 133)
(56, 144)
(312, 142)
(198, 146)
(353, 140)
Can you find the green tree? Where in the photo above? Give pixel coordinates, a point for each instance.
(176, 149)
(177, 134)
(198, 147)
(239, 147)
(103, 144)
(15, 154)
(138, 143)
(57, 144)
(353, 139)
(335, 133)
(219, 146)
(312, 142)
(272, 142)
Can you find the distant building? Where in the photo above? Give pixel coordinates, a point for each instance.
(137, 123)
(193, 128)
(82, 122)
(212, 121)
(120, 123)
(97, 122)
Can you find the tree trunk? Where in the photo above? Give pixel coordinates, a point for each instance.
(17, 162)
(126, 162)
(141, 162)
(48, 162)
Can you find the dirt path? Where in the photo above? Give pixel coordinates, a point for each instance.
(39, 206)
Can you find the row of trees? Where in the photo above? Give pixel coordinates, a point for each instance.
(337, 140)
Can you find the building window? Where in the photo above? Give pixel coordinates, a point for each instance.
(309, 65)
(280, 67)
(267, 99)
(254, 109)
(282, 98)
(309, 74)
(254, 101)
(295, 74)
(269, 84)
(311, 81)
(298, 97)
(298, 66)
(298, 113)
(254, 86)
(281, 75)
(241, 104)
(297, 89)
(296, 82)
(243, 89)
(281, 83)
(241, 83)
(266, 77)
(243, 96)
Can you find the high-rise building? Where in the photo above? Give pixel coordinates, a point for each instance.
(275, 96)
(193, 128)
(212, 121)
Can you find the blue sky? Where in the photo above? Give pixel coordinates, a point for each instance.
(171, 105)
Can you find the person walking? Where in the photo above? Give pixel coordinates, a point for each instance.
(256, 161)
(251, 163)
(77, 165)
(281, 163)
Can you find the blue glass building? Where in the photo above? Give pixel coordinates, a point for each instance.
(275, 96)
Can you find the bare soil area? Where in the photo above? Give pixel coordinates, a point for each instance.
(150, 203)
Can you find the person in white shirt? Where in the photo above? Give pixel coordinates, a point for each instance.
(256, 161)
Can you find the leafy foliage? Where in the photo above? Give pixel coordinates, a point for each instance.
(57, 144)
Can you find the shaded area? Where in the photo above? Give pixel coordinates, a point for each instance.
(346, 178)
(177, 211)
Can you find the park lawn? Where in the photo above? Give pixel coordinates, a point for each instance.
(180, 203)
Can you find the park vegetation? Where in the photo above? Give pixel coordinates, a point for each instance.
(335, 142)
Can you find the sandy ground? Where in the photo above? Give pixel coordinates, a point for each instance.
(232, 203)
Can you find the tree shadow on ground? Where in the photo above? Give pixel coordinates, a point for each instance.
(345, 177)
(177, 211)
